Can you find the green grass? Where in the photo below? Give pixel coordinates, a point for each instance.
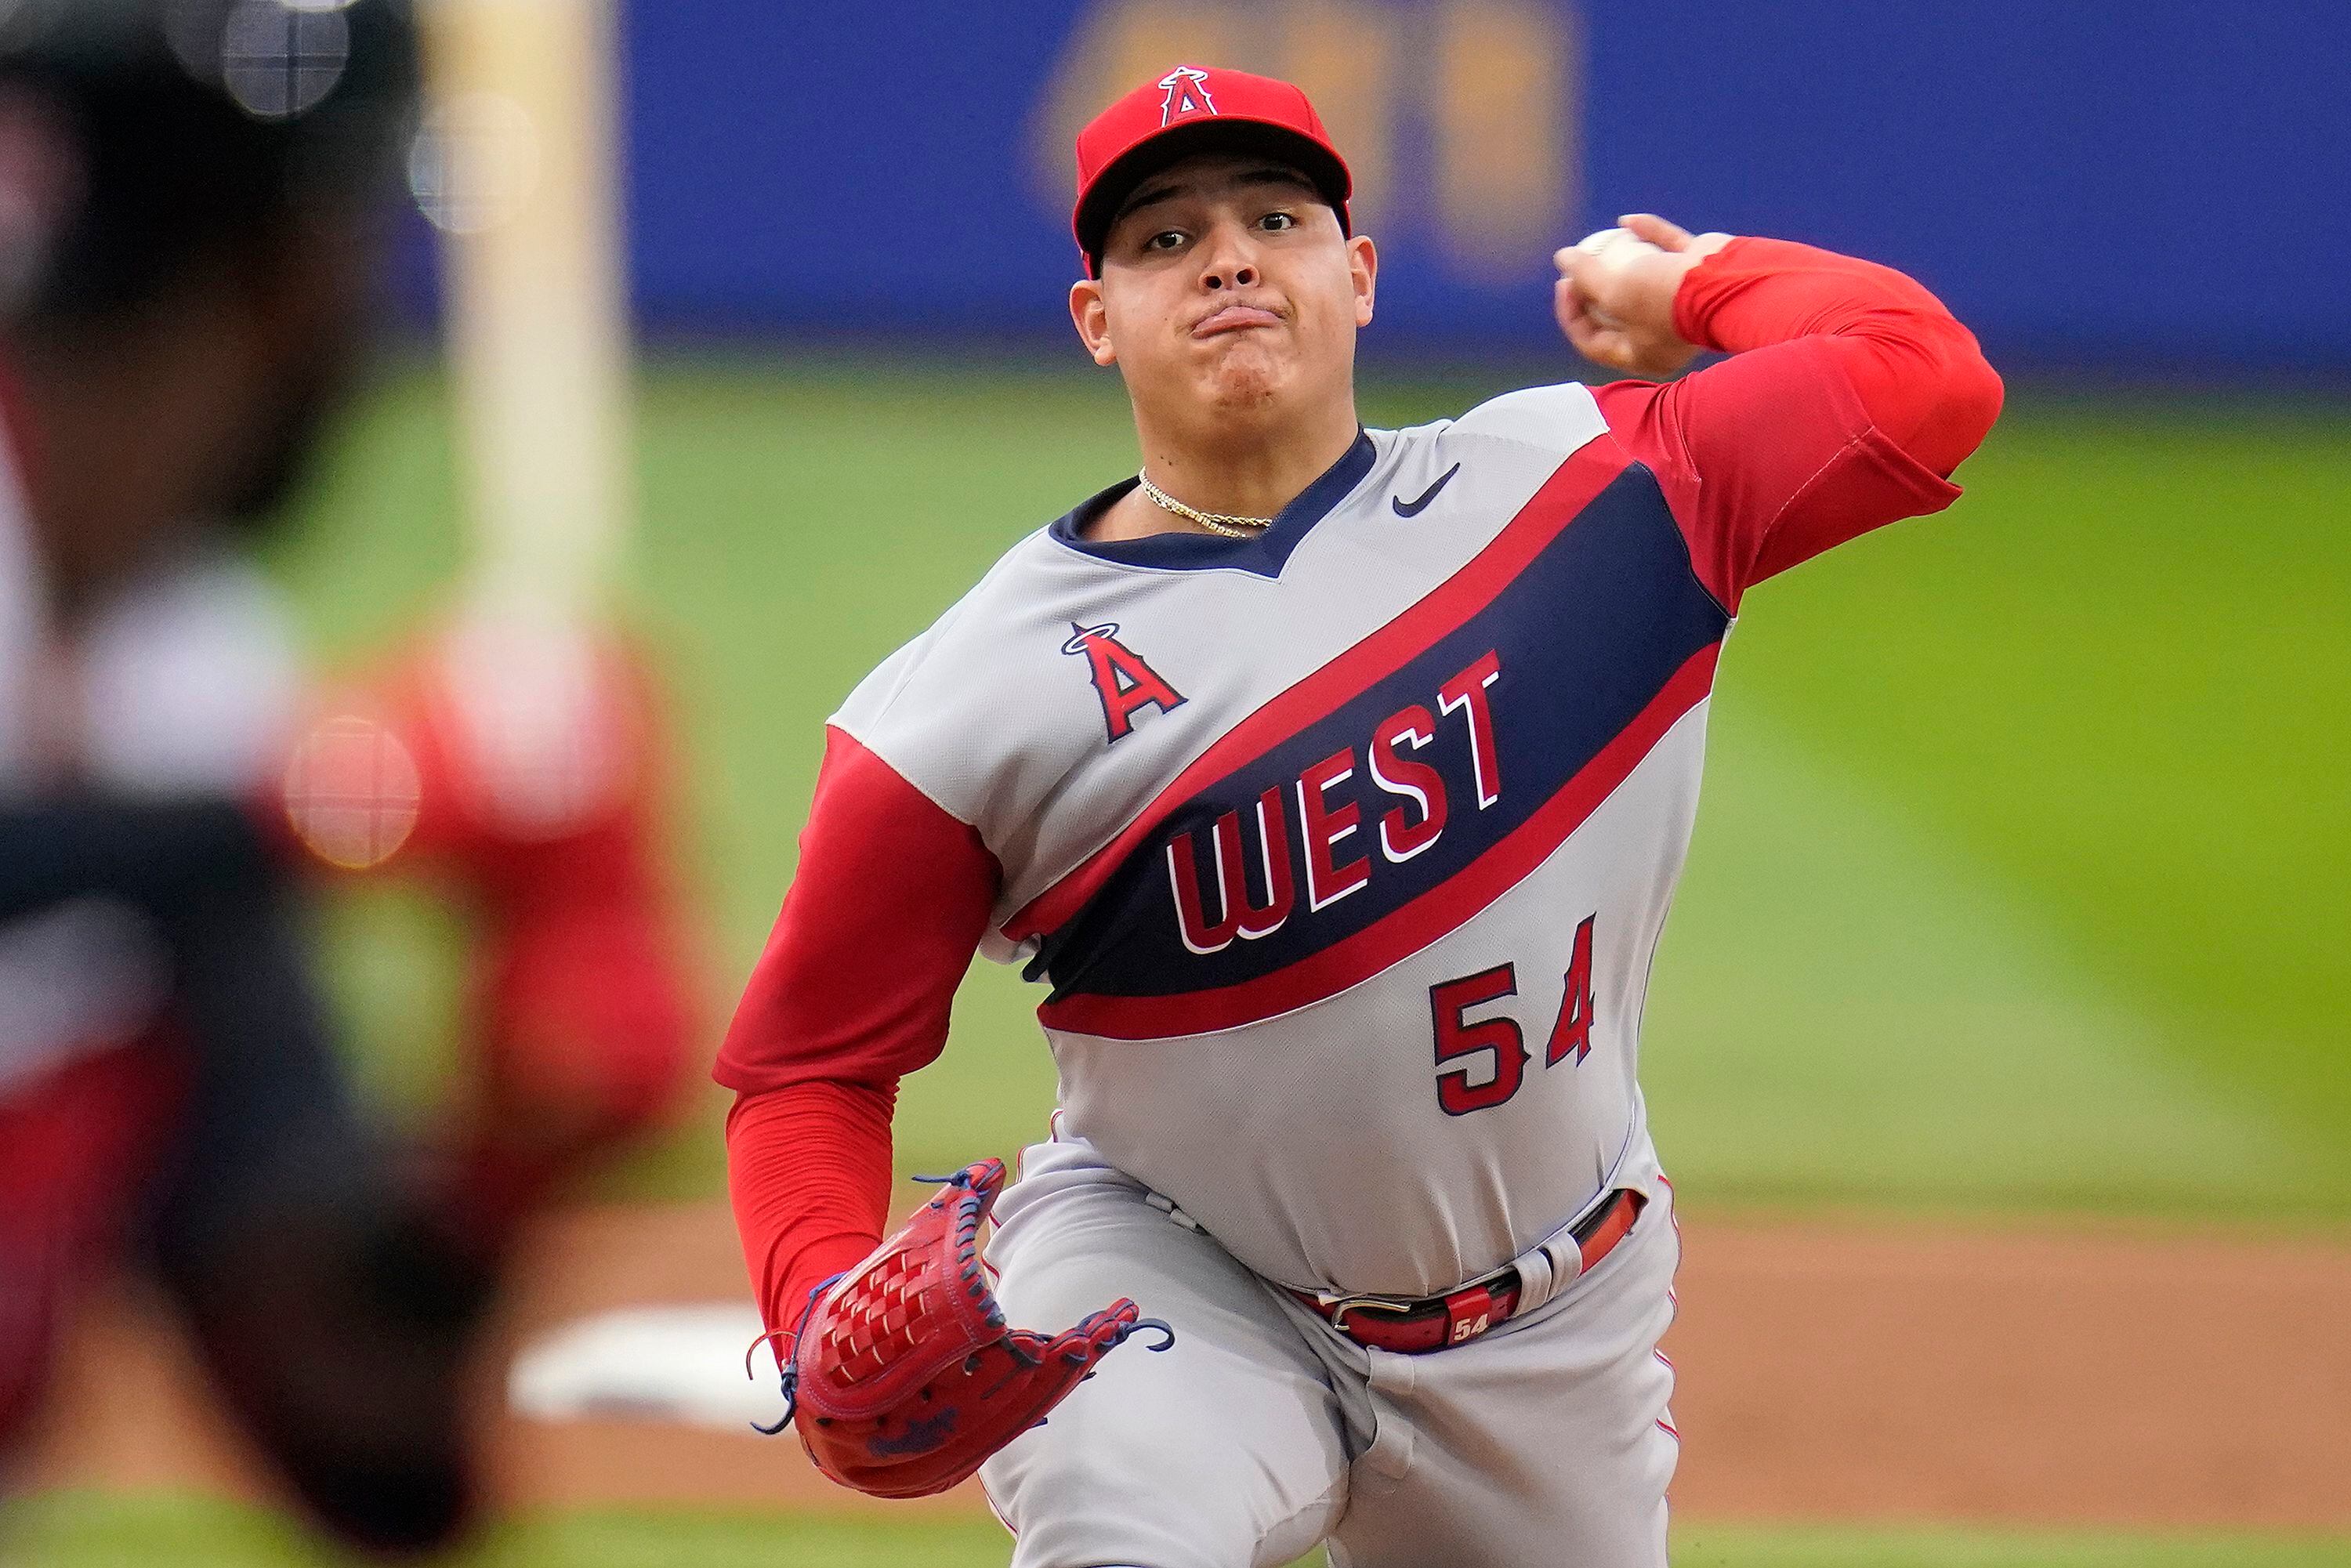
(2118, 680)
(2018, 885)
(99, 1530)
(1750, 1547)
(94, 1530)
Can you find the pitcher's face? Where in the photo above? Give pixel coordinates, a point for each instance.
(1228, 288)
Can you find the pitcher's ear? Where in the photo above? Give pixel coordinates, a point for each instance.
(1363, 265)
(1092, 319)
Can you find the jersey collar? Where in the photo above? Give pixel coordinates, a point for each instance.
(1265, 555)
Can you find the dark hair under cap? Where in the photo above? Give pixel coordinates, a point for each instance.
(197, 128)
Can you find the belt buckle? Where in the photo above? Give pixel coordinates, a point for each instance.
(1345, 1304)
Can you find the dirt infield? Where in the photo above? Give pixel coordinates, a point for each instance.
(1827, 1371)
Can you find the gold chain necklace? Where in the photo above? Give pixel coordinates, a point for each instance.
(1225, 523)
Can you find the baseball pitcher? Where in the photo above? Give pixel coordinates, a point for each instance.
(1336, 782)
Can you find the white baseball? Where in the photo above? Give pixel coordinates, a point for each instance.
(1592, 245)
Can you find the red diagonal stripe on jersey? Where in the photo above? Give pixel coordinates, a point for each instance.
(1563, 496)
(1408, 930)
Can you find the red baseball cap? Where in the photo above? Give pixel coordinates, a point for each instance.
(1189, 111)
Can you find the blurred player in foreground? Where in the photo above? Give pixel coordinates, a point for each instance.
(1337, 781)
(194, 199)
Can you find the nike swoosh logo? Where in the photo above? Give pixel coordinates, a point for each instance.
(1405, 508)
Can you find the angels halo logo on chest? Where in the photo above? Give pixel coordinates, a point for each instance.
(1122, 679)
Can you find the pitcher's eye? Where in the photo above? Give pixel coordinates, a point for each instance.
(1276, 222)
(1165, 239)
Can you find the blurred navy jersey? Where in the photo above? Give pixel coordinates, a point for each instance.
(181, 685)
(168, 1085)
(130, 864)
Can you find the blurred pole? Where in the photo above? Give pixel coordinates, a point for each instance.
(519, 167)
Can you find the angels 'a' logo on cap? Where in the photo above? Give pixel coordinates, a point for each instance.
(1188, 93)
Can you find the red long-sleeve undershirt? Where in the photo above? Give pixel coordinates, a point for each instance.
(1917, 372)
(1850, 395)
(808, 1167)
(836, 1013)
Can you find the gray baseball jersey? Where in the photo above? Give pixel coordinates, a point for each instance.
(1344, 849)
(1362, 787)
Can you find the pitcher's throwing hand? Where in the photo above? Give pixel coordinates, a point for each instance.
(1614, 297)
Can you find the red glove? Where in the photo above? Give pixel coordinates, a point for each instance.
(903, 1377)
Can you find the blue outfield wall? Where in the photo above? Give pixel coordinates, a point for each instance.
(2157, 187)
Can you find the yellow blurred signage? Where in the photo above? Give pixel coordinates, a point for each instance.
(1458, 119)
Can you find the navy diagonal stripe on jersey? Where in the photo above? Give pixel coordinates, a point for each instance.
(1589, 633)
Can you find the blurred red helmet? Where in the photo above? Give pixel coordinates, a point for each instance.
(1191, 110)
